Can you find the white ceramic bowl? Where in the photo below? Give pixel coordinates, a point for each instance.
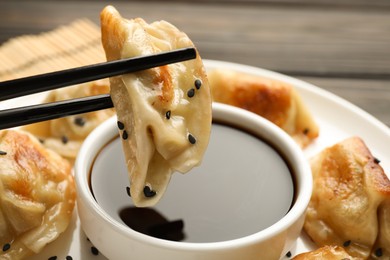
(243, 202)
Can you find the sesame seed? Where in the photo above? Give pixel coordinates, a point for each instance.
(124, 135)
(52, 258)
(288, 254)
(79, 121)
(191, 138)
(6, 247)
(69, 257)
(378, 252)
(168, 114)
(3, 153)
(121, 126)
(149, 192)
(198, 83)
(347, 243)
(128, 191)
(191, 93)
(94, 250)
(64, 139)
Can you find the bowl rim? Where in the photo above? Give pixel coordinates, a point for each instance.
(107, 131)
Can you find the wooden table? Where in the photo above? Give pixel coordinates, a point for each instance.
(342, 46)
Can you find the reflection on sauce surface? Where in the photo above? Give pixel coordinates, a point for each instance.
(150, 222)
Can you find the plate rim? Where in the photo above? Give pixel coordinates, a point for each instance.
(301, 86)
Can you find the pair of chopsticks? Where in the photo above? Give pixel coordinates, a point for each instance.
(49, 81)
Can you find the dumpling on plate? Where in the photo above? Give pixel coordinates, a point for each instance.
(65, 135)
(326, 253)
(37, 195)
(350, 204)
(164, 113)
(274, 100)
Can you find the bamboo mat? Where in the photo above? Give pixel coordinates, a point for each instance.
(73, 45)
(68, 46)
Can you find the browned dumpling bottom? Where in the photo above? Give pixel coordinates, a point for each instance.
(350, 204)
(37, 195)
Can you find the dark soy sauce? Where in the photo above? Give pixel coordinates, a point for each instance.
(242, 186)
(150, 222)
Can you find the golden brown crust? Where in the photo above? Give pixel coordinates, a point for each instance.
(350, 200)
(37, 194)
(274, 100)
(164, 78)
(271, 99)
(326, 253)
(113, 33)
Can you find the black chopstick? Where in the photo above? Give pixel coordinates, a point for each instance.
(36, 113)
(39, 83)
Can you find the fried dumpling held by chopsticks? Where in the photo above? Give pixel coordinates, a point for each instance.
(164, 113)
(350, 204)
(274, 100)
(37, 195)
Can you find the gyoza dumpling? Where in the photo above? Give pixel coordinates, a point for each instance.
(37, 195)
(274, 100)
(350, 204)
(65, 135)
(164, 113)
(326, 253)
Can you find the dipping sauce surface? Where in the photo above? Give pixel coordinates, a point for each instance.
(242, 186)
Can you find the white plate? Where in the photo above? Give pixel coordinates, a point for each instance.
(337, 118)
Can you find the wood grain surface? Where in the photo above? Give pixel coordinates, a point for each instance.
(341, 46)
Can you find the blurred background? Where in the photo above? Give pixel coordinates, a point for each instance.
(340, 45)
